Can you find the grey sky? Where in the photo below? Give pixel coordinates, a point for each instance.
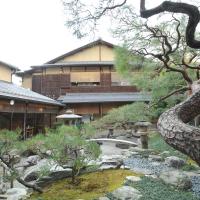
(33, 31)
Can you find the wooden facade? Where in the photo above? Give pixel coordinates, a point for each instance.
(88, 69)
(26, 115)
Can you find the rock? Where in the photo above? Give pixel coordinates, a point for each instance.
(28, 153)
(176, 178)
(173, 161)
(165, 153)
(32, 176)
(132, 179)
(155, 158)
(55, 173)
(48, 152)
(103, 198)
(152, 176)
(15, 158)
(16, 193)
(135, 154)
(140, 150)
(32, 173)
(23, 163)
(155, 164)
(126, 193)
(3, 188)
(125, 167)
(3, 197)
(105, 167)
(115, 161)
(129, 134)
(60, 174)
(122, 145)
(33, 160)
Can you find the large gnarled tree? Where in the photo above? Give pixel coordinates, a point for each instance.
(173, 124)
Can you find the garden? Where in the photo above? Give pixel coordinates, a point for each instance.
(65, 164)
(151, 150)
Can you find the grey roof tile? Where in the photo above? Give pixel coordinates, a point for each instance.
(104, 97)
(10, 90)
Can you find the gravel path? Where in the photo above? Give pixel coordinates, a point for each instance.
(143, 165)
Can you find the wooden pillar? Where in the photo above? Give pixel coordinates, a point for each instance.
(50, 120)
(25, 117)
(100, 110)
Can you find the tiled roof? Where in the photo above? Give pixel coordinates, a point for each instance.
(104, 97)
(12, 91)
(73, 63)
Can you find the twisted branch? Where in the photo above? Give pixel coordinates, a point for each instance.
(188, 9)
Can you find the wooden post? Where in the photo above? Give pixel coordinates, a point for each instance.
(50, 121)
(25, 116)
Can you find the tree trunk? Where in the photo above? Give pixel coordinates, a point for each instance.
(173, 126)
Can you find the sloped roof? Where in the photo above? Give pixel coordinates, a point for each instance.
(76, 63)
(97, 42)
(12, 91)
(104, 97)
(71, 63)
(9, 65)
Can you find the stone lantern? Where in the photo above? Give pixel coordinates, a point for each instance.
(142, 129)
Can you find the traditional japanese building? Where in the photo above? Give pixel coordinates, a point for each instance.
(22, 108)
(84, 79)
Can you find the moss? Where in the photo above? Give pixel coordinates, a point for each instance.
(91, 186)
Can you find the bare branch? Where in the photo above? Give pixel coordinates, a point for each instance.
(188, 9)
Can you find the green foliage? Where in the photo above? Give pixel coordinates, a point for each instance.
(34, 144)
(117, 117)
(147, 79)
(190, 167)
(156, 190)
(8, 141)
(68, 145)
(157, 143)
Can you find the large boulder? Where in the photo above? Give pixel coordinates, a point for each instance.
(126, 193)
(28, 161)
(111, 162)
(176, 178)
(33, 160)
(3, 188)
(54, 176)
(16, 193)
(174, 161)
(32, 173)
